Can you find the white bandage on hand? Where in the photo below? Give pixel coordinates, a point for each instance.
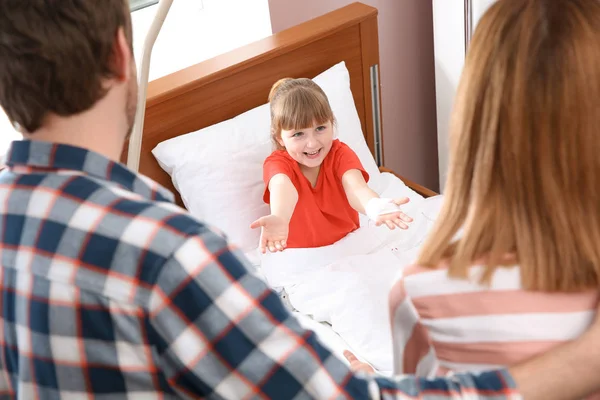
(380, 206)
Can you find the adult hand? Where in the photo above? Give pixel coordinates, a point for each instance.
(356, 365)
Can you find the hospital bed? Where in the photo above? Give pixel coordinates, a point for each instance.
(200, 134)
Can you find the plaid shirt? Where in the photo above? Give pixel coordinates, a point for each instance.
(109, 290)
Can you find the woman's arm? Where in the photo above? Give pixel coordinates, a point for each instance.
(570, 371)
(364, 200)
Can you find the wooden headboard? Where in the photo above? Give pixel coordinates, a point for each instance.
(230, 84)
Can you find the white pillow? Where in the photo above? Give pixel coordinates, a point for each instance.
(218, 170)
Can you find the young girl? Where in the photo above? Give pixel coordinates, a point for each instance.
(512, 267)
(315, 184)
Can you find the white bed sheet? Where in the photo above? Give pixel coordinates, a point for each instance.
(325, 333)
(358, 325)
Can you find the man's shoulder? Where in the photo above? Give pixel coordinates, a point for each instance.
(139, 236)
(138, 229)
(116, 239)
(154, 219)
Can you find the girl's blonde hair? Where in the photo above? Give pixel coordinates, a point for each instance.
(297, 104)
(524, 176)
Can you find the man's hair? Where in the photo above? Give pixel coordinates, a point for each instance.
(55, 55)
(524, 179)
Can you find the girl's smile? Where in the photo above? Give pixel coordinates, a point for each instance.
(308, 146)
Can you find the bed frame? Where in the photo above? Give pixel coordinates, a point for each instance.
(230, 84)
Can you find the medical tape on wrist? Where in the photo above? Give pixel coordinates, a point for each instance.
(378, 206)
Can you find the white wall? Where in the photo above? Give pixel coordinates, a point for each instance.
(449, 45)
(195, 30)
(449, 56)
(7, 134)
(406, 73)
(479, 8)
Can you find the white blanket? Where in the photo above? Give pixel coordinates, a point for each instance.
(347, 284)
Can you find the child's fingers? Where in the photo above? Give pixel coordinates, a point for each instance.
(278, 245)
(263, 244)
(400, 201)
(257, 224)
(271, 246)
(400, 224)
(405, 217)
(390, 225)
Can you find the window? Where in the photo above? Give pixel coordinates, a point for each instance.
(135, 5)
(194, 31)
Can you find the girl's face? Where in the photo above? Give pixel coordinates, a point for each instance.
(308, 146)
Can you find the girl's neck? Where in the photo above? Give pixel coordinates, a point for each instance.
(311, 173)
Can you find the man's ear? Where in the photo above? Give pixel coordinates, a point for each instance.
(122, 57)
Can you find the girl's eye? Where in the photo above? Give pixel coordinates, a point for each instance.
(321, 128)
(297, 134)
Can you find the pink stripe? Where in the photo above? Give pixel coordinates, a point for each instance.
(494, 302)
(416, 348)
(497, 353)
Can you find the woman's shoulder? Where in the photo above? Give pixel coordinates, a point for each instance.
(423, 280)
(416, 269)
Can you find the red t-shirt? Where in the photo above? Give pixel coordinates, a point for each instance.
(323, 214)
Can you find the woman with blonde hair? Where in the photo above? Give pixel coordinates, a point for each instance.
(512, 267)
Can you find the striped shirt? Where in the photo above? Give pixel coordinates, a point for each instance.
(441, 324)
(110, 291)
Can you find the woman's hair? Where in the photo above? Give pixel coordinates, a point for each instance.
(524, 177)
(296, 104)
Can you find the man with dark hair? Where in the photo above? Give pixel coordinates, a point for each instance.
(108, 289)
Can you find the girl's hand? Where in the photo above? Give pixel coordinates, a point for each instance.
(356, 365)
(395, 219)
(274, 233)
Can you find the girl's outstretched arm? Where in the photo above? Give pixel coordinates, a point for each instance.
(364, 200)
(275, 227)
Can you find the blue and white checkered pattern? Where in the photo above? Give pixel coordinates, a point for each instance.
(108, 289)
